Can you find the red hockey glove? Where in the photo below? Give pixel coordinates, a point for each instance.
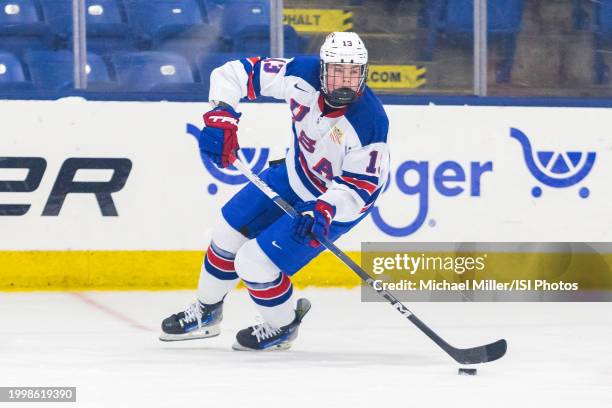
(219, 139)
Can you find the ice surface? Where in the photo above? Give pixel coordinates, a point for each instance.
(348, 353)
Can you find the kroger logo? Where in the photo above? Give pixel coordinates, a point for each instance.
(555, 169)
(425, 180)
(450, 179)
(255, 158)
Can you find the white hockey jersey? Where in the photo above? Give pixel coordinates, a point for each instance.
(341, 157)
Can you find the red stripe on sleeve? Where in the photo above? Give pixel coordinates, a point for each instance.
(250, 88)
(365, 185)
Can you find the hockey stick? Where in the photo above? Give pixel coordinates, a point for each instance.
(475, 355)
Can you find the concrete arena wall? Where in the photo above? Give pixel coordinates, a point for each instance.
(457, 175)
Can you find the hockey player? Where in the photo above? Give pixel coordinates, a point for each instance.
(334, 171)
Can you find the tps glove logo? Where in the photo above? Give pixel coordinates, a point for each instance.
(222, 119)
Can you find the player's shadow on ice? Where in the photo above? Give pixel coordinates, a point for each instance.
(360, 359)
(318, 358)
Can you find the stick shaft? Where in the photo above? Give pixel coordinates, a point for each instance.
(465, 356)
(285, 206)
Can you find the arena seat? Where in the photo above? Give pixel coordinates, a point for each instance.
(256, 40)
(159, 21)
(240, 14)
(106, 26)
(455, 20)
(53, 70)
(245, 27)
(151, 71)
(503, 16)
(12, 76)
(21, 26)
(602, 36)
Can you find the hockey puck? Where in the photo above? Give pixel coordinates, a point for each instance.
(467, 371)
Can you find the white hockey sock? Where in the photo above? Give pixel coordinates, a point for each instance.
(274, 300)
(280, 315)
(217, 276)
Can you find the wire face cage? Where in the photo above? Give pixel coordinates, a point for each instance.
(343, 82)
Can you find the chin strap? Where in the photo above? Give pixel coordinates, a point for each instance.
(334, 103)
(331, 104)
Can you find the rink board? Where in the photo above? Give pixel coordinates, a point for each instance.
(128, 270)
(457, 174)
(159, 270)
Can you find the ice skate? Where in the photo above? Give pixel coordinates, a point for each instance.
(198, 321)
(263, 337)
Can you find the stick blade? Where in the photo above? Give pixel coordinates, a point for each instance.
(482, 354)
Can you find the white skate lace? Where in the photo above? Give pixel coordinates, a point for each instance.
(264, 331)
(193, 312)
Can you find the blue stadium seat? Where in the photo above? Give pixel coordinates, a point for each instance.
(580, 16)
(255, 40)
(503, 16)
(21, 26)
(237, 15)
(245, 27)
(602, 16)
(455, 18)
(53, 70)
(106, 25)
(159, 21)
(12, 76)
(154, 71)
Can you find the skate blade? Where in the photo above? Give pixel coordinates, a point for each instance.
(202, 333)
(277, 347)
(303, 306)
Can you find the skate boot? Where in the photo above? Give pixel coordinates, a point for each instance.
(263, 337)
(198, 321)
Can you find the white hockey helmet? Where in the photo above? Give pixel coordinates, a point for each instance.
(343, 48)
